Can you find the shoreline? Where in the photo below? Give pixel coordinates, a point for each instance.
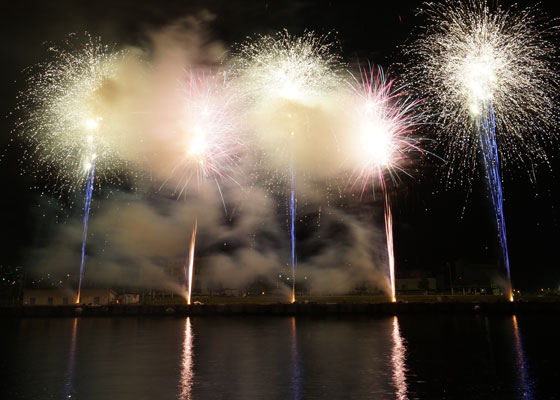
(282, 309)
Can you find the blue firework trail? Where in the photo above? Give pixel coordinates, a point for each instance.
(293, 228)
(87, 208)
(487, 134)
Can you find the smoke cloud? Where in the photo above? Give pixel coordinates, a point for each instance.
(243, 232)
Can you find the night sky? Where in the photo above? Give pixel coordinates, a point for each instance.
(432, 225)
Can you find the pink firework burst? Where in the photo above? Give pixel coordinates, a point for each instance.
(209, 136)
(383, 121)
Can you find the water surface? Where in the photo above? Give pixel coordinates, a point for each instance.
(405, 357)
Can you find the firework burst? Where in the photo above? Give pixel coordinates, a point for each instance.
(472, 56)
(383, 120)
(209, 141)
(287, 67)
(487, 73)
(284, 77)
(209, 136)
(69, 114)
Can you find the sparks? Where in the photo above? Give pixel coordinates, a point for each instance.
(210, 131)
(69, 110)
(65, 122)
(487, 75)
(383, 121)
(281, 75)
(210, 137)
(473, 54)
(283, 66)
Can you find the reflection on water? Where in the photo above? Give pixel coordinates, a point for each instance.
(295, 363)
(69, 375)
(398, 359)
(187, 373)
(525, 382)
(381, 357)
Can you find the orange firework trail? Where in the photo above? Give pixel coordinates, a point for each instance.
(389, 236)
(384, 120)
(189, 271)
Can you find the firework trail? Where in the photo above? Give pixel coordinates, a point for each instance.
(383, 119)
(282, 75)
(487, 75)
(487, 134)
(293, 231)
(189, 271)
(87, 208)
(389, 236)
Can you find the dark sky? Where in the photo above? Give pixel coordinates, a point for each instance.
(432, 225)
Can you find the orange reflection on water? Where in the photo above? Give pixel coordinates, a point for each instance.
(398, 360)
(296, 365)
(187, 373)
(69, 377)
(525, 382)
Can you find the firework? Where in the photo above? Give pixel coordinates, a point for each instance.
(470, 57)
(209, 137)
(283, 76)
(383, 120)
(288, 82)
(189, 270)
(487, 74)
(209, 140)
(87, 209)
(292, 213)
(70, 113)
(69, 116)
(287, 67)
